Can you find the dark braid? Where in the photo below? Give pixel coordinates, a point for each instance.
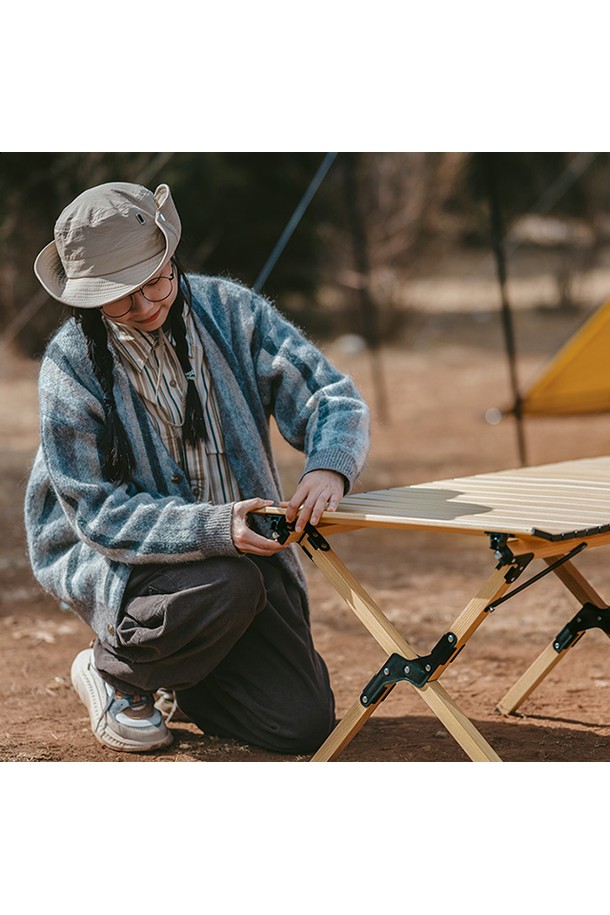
(194, 425)
(118, 456)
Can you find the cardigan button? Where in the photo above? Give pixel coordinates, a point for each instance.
(176, 477)
(110, 629)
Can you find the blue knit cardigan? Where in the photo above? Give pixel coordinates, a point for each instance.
(85, 534)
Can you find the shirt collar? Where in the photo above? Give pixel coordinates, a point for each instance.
(136, 345)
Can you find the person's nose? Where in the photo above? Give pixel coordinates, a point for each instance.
(141, 305)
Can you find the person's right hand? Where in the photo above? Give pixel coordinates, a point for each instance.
(245, 539)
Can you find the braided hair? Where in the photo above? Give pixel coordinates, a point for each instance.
(194, 426)
(118, 462)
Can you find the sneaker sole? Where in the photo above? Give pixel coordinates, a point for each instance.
(93, 695)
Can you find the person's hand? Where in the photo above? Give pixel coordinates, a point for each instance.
(244, 538)
(318, 491)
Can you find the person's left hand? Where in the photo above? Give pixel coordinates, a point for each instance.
(318, 491)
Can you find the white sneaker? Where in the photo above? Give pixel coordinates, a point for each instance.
(129, 723)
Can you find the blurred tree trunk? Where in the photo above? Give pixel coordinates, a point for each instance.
(403, 200)
(368, 306)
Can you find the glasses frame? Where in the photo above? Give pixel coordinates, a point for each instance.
(141, 292)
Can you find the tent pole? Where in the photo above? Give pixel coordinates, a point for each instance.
(294, 220)
(497, 238)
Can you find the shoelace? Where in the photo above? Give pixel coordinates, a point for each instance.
(104, 710)
(138, 699)
(170, 696)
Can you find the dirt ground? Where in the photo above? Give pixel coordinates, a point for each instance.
(439, 381)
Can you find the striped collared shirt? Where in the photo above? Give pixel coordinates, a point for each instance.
(154, 370)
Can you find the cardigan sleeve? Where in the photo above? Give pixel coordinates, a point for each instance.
(123, 522)
(317, 408)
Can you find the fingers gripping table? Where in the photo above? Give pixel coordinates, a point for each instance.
(550, 512)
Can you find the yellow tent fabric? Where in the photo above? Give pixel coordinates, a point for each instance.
(578, 378)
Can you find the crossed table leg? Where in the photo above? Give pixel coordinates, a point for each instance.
(593, 613)
(424, 672)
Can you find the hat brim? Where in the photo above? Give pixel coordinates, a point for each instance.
(92, 291)
(95, 291)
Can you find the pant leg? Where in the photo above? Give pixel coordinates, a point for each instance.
(273, 688)
(179, 621)
(231, 636)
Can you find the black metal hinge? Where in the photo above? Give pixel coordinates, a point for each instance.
(414, 670)
(282, 529)
(505, 556)
(588, 617)
(502, 552)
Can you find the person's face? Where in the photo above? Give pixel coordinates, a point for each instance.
(147, 307)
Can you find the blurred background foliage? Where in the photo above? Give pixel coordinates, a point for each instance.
(376, 219)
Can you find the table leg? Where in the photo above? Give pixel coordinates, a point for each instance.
(475, 611)
(346, 730)
(577, 584)
(459, 726)
(528, 682)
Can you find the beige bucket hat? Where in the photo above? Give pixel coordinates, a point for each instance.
(107, 243)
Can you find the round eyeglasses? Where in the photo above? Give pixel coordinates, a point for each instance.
(155, 291)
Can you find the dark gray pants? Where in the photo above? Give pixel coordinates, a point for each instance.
(231, 637)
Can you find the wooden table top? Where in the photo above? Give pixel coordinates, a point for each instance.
(552, 501)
